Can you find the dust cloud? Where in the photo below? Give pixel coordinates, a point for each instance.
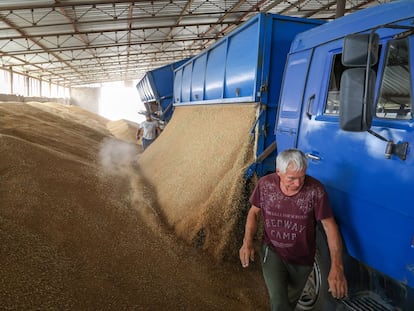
(84, 223)
(117, 156)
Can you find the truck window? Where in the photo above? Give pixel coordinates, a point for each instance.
(332, 104)
(394, 100)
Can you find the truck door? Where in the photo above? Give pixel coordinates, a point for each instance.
(294, 82)
(370, 194)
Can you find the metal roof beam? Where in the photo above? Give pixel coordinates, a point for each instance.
(112, 30)
(54, 51)
(141, 20)
(59, 4)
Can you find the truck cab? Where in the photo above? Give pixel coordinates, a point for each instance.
(347, 103)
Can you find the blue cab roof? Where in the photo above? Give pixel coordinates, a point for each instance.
(359, 21)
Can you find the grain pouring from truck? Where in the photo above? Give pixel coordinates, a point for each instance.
(225, 103)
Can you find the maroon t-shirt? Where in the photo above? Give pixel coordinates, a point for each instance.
(290, 221)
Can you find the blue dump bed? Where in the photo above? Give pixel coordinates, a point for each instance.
(156, 90)
(246, 66)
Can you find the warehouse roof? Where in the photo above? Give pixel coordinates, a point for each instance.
(80, 42)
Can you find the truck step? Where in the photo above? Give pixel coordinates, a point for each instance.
(366, 302)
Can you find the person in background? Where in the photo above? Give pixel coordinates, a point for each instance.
(290, 204)
(148, 130)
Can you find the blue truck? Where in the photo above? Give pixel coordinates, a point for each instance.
(155, 90)
(351, 113)
(246, 66)
(342, 92)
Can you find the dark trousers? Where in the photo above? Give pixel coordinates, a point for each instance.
(284, 281)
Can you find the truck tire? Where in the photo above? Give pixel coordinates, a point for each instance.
(315, 295)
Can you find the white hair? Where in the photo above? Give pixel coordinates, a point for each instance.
(291, 156)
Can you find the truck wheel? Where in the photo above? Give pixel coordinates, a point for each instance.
(315, 295)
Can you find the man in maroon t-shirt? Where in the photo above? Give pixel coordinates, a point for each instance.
(290, 204)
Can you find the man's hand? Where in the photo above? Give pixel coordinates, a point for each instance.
(246, 254)
(337, 282)
(336, 278)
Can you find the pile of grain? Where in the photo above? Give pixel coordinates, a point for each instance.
(124, 129)
(73, 114)
(196, 167)
(121, 129)
(79, 225)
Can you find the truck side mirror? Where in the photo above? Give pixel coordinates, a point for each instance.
(358, 48)
(358, 83)
(354, 114)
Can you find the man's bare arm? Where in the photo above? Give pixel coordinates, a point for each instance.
(337, 282)
(139, 132)
(246, 252)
